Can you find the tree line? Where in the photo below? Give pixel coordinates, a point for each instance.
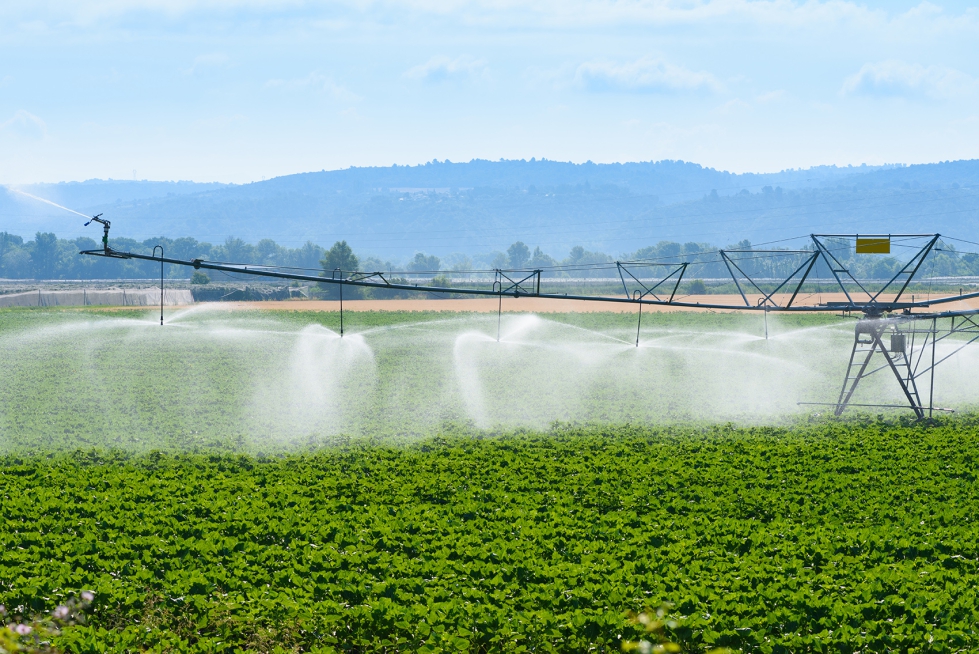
(48, 257)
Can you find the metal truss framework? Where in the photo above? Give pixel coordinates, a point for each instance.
(874, 304)
(881, 316)
(910, 354)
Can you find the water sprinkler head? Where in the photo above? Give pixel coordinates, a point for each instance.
(105, 227)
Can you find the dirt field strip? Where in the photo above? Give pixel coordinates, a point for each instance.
(540, 305)
(525, 305)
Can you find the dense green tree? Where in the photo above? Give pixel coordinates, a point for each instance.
(238, 251)
(424, 263)
(189, 248)
(463, 263)
(16, 263)
(269, 252)
(9, 242)
(540, 260)
(48, 257)
(45, 255)
(581, 257)
(339, 261)
(498, 261)
(518, 255)
(310, 255)
(340, 256)
(662, 251)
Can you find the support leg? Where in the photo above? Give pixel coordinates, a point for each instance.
(639, 326)
(931, 386)
(845, 394)
(499, 314)
(912, 398)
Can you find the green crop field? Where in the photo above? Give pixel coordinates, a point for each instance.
(251, 482)
(264, 382)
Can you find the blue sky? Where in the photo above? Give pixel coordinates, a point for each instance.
(238, 90)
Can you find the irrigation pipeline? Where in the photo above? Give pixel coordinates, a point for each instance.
(506, 287)
(893, 318)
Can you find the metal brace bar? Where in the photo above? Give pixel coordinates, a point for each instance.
(787, 280)
(920, 258)
(812, 264)
(731, 272)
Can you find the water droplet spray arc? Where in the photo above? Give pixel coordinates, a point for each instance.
(277, 382)
(528, 283)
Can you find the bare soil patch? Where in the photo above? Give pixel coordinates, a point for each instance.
(544, 305)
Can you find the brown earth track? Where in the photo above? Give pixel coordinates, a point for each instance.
(541, 305)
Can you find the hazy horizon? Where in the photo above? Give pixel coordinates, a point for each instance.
(183, 180)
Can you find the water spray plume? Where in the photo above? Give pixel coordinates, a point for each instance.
(876, 300)
(53, 204)
(270, 382)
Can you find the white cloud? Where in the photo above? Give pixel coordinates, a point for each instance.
(771, 96)
(316, 82)
(212, 60)
(222, 121)
(25, 125)
(644, 75)
(897, 78)
(442, 68)
(731, 106)
(92, 12)
(802, 14)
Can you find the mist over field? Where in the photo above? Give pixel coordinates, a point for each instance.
(225, 380)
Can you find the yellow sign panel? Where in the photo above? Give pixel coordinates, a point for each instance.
(867, 245)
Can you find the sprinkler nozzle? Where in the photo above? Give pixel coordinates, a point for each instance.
(105, 228)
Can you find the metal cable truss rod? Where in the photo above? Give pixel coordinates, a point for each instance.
(910, 269)
(873, 306)
(623, 268)
(767, 299)
(769, 254)
(874, 235)
(462, 275)
(517, 287)
(511, 292)
(940, 300)
(361, 279)
(603, 265)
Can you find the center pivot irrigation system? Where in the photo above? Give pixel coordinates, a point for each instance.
(904, 333)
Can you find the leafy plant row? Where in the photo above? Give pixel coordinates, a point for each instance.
(835, 538)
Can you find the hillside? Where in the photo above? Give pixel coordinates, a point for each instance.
(483, 206)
